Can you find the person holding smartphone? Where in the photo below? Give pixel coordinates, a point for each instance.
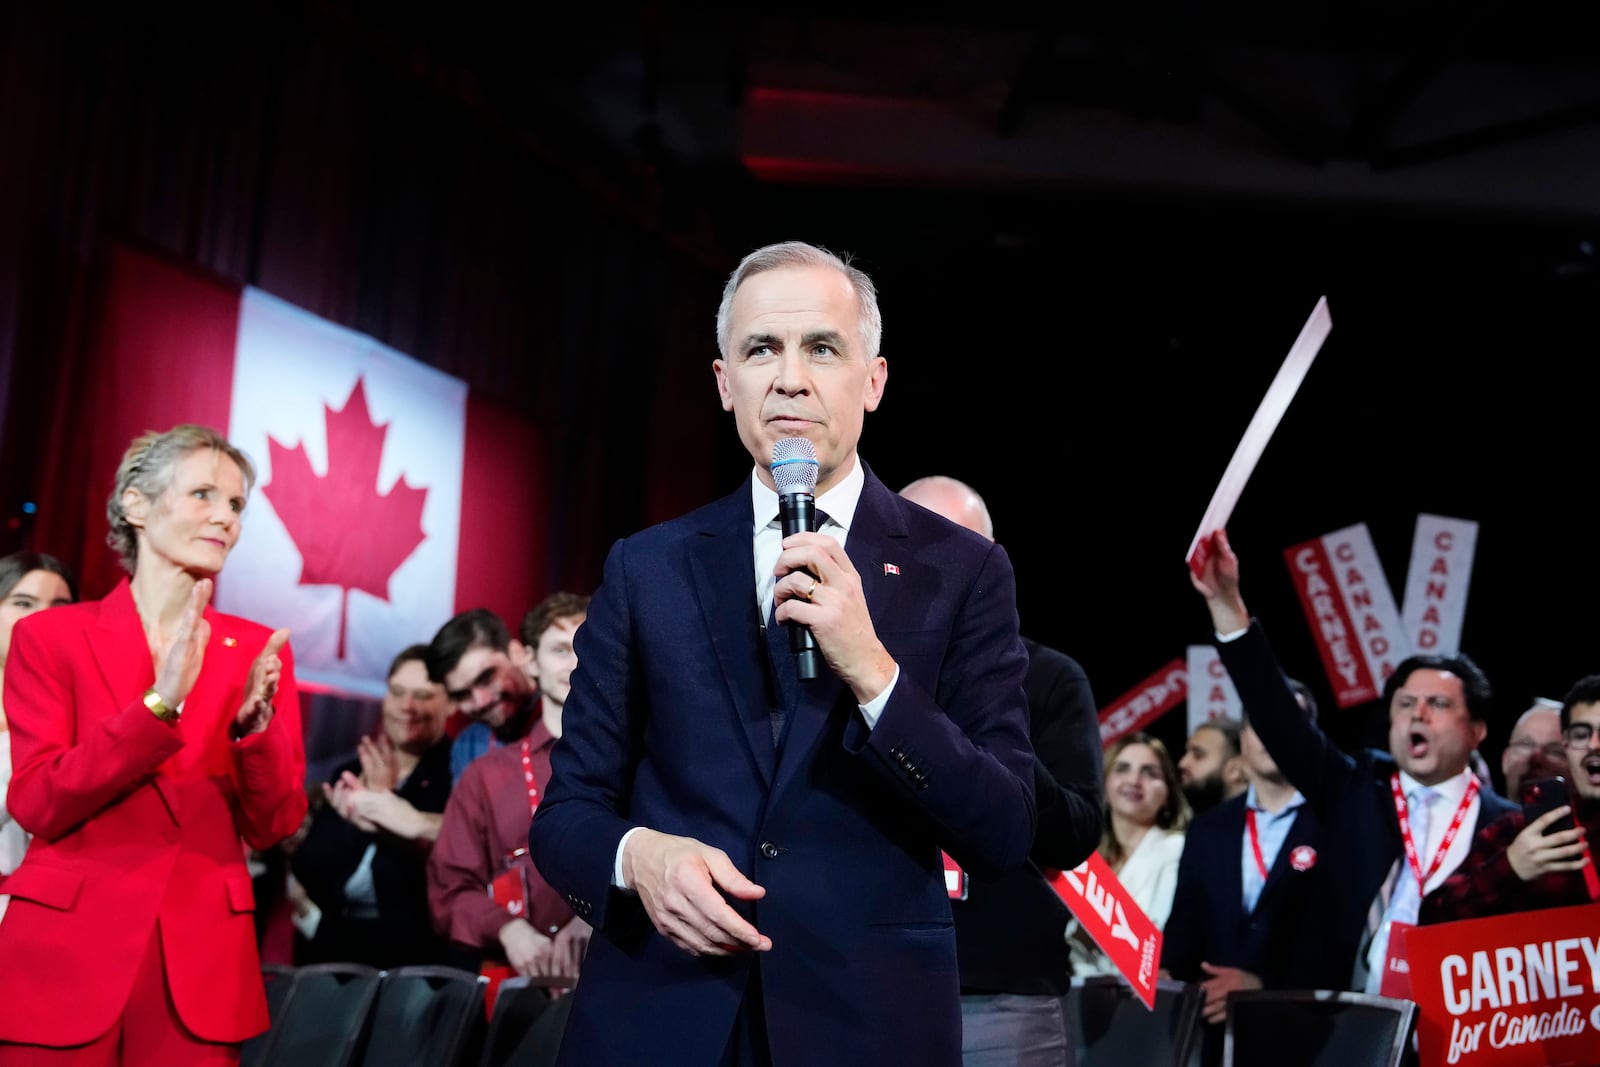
(1537, 857)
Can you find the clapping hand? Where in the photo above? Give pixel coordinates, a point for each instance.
(261, 686)
(380, 768)
(178, 661)
(342, 797)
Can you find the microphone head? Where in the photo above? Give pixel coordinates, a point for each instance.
(794, 466)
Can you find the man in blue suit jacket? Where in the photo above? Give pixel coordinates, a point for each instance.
(1438, 709)
(1250, 911)
(760, 855)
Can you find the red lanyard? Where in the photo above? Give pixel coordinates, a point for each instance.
(1444, 844)
(1255, 841)
(527, 776)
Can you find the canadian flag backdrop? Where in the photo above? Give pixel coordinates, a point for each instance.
(353, 526)
(387, 496)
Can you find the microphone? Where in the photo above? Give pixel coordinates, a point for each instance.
(794, 473)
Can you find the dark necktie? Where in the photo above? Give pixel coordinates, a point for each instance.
(786, 681)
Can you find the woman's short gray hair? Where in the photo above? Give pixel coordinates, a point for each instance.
(800, 254)
(147, 466)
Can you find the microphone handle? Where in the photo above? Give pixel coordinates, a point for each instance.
(797, 513)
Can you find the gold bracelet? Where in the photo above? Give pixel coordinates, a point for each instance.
(158, 707)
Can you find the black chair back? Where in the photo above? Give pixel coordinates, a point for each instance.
(323, 1023)
(527, 1025)
(1109, 1026)
(278, 978)
(1320, 1028)
(426, 1016)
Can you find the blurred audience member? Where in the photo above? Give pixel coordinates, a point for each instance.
(364, 861)
(29, 582)
(1210, 768)
(1146, 815)
(1012, 959)
(1517, 865)
(153, 740)
(1535, 749)
(488, 677)
(284, 913)
(483, 845)
(1248, 912)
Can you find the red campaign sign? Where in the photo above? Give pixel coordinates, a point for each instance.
(1515, 989)
(1331, 624)
(1097, 899)
(1145, 702)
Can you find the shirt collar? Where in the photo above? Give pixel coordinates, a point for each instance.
(1451, 789)
(839, 502)
(1295, 800)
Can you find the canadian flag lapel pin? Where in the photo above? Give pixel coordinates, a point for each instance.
(890, 568)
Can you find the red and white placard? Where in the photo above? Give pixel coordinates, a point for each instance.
(1145, 702)
(1516, 989)
(1211, 691)
(1351, 611)
(1107, 913)
(1436, 583)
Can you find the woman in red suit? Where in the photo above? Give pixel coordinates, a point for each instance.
(153, 738)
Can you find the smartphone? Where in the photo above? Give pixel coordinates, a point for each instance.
(1545, 794)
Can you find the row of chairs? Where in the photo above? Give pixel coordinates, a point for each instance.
(351, 1015)
(1109, 1026)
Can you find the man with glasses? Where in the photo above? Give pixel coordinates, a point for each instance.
(1517, 865)
(1535, 749)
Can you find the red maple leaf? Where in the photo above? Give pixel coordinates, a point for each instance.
(348, 533)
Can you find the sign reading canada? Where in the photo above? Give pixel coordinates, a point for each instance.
(1516, 989)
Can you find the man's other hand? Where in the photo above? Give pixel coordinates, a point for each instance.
(678, 880)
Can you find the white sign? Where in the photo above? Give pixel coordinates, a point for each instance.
(1211, 691)
(1436, 584)
(1287, 382)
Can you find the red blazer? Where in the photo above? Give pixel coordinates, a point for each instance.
(137, 825)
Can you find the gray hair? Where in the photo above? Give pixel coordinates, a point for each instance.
(800, 254)
(148, 465)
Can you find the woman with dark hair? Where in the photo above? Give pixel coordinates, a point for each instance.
(29, 582)
(1146, 816)
(150, 734)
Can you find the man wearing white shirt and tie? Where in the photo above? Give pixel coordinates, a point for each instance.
(1400, 825)
(758, 852)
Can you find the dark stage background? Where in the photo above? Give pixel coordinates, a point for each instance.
(1085, 351)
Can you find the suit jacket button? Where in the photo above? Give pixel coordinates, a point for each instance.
(769, 850)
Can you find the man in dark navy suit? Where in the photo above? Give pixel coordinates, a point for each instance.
(758, 854)
(1013, 958)
(1423, 788)
(1248, 911)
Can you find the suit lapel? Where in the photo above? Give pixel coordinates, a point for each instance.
(120, 648)
(876, 529)
(121, 651)
(724, 582)
(1232, 872)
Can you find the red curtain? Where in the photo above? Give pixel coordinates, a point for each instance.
(161, 353)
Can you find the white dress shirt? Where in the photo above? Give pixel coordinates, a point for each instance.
(839, 504)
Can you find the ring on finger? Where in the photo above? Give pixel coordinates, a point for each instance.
(813, 589)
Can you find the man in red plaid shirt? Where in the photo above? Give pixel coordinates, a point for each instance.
(1517, 865)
